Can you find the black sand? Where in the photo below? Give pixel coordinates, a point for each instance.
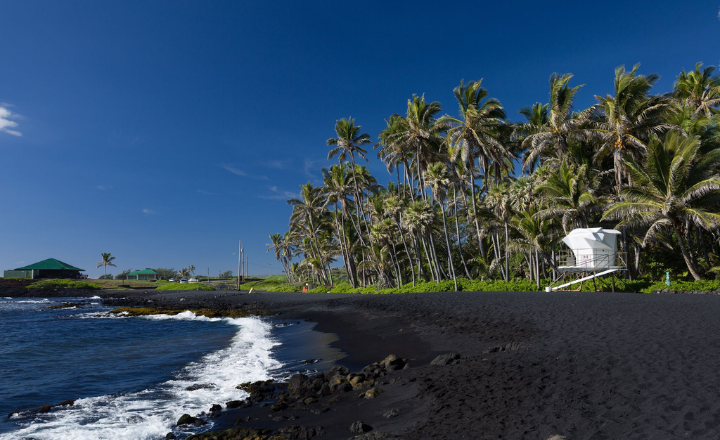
(533, 366)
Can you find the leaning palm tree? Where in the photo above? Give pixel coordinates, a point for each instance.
(698, 89)
(184, 272)
(107, 260)
(677, 187)
(191, 268)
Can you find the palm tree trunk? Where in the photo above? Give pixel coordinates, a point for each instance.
(686, 255)
(430, 261)
(471, 181)
(507, 255)
(421, 268)
(447, 243)
(537, 269)
(457, 232)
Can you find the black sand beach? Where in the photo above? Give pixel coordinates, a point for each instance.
(533, 365)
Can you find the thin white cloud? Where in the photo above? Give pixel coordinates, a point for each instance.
(276, 164)
(148, 211)
(5, 120)
(310, 169)
(239, 172)
(276, 194)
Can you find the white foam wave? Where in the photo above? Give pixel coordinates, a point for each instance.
(152, 413)
(95, 297)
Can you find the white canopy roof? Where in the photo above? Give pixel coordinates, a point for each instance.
(591, 238)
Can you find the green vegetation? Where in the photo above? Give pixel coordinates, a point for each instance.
(455, 210)
(185, 286)
(63, 284)
(526, 285)
(275, 283)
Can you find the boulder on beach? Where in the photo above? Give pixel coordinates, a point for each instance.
(359, 427)
(446, 359)
(187, 419)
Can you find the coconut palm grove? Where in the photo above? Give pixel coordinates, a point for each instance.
(478, 194)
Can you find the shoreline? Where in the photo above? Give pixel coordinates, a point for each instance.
(532, 365)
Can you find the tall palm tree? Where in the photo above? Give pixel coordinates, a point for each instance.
(675, 188)
(437, 178)
(698, 89)
(191, 268)
(474, 134)
(338, 191)
(626, 120)
(549, 135)
(307, 214)
(348, 143)
(107, 260)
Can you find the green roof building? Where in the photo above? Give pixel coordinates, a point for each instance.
(145, 274)
(50, 268)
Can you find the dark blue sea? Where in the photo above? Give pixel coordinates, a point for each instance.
(132, 378)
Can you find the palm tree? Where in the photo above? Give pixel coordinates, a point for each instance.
(437, 178)
(338, 191)
(191, 268)
(184, 272)
(625, 121)
(475, 135)
(677, 187)
(569, 196)
(349, 142)
(107, 260)
(549, 134)
(307, 215)
(698, 89)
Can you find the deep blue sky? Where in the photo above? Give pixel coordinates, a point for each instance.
(163, 132)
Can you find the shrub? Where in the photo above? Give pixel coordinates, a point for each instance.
(61, 283)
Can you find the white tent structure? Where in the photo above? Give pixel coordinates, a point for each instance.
(592, 250)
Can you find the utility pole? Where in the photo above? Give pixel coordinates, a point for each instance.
(239, 261)
(246, 266)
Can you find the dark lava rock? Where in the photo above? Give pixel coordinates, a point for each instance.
(277, 407)
(392, 363)
(300, 432)
(170, 436)
(359, 428)
(392, 413)
(507, 347)
(446, 359)
(215, 408)
(187, 419)
(235, 403)
(200, 386)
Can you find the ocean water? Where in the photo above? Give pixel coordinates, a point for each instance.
(129, 376)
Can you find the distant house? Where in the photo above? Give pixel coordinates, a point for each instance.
(145, 274)
(50, 268)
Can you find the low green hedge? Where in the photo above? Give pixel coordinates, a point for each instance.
(185, 286)
(525, 285)
(61, 283)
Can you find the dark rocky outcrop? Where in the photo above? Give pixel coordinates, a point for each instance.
(187, 419)
(44, 408)
(446, 359)
(359, 427)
